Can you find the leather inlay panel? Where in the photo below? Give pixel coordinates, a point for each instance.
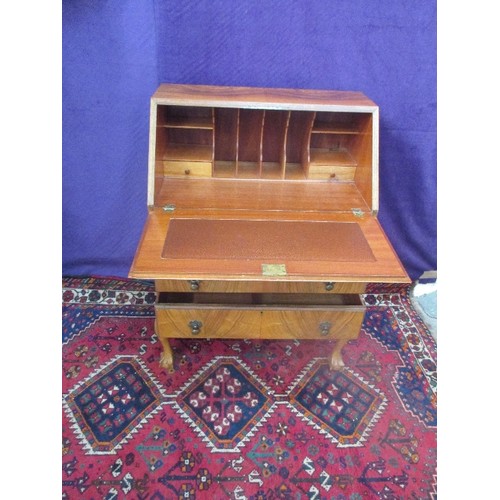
(266, 240)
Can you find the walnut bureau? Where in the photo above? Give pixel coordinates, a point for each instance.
(262, 214)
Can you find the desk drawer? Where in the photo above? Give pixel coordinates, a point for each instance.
(212, 315)
(259, 315)
(311, 316)
(257, 286)
(313, 323)
(205, 322)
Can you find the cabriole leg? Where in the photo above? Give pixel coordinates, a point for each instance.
(167, 358)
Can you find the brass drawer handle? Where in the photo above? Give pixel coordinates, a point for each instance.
(324, 328)
(329, 286)
(195, 326)
(194, 285)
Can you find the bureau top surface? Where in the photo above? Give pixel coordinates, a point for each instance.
(255, 97)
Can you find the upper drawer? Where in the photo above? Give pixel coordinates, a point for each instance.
(257, 286)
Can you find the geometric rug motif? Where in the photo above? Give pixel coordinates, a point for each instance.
(112, 402)
(340, 403)
(224, 403)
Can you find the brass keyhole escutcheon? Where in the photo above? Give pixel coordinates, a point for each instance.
(324, 328)
(195, 326)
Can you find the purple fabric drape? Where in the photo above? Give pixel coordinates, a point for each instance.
(115, 54)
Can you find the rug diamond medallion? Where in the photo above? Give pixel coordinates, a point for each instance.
(225, 402)
(340, 403)
(111, 403)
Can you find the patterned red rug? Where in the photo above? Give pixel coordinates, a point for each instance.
(243, 419)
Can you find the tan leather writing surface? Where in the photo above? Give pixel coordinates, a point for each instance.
(266, 240)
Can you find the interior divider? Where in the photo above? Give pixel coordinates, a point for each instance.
(213, 141)
(306, 157)
(250, 139)
(261, 141)
(283, 144)
(237, 141)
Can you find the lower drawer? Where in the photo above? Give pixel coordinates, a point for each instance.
(336, 323)
(259, 315)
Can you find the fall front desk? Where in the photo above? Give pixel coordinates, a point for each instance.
(262, 214)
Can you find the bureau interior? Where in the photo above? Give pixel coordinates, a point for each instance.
(263, 145)
(264, 300)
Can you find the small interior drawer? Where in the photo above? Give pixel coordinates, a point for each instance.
(259, 315)
(188, 168)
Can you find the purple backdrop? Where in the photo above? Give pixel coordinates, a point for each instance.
(115, 54)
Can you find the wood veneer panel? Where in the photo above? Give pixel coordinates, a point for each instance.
(286, 324)
(223, 322)
(278, 98)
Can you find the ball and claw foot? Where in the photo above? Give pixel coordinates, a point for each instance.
(336, 361)
(166, 362)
